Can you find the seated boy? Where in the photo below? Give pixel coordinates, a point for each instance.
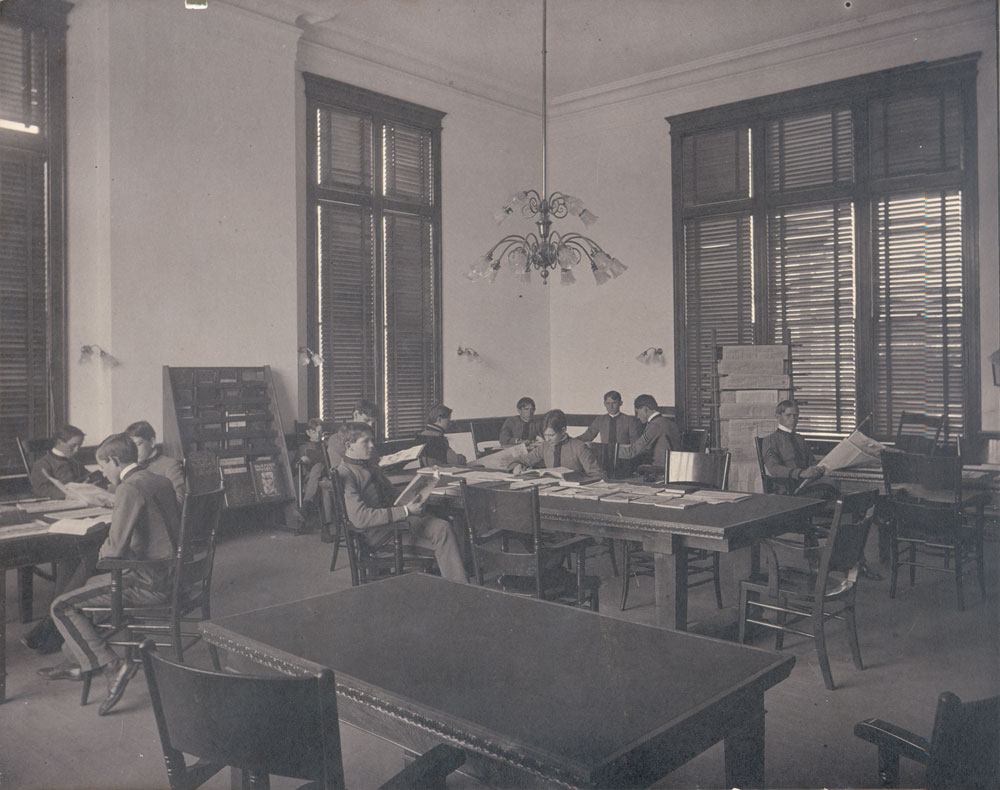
(368, 498)
(309, 457)
(144, 526)
(559, 449)
(437, 448)
(151, 456)
(59, 463)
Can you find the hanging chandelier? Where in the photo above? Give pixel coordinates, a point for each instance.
(546, 250)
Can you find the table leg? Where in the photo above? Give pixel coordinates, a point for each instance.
(3, 635)
(670, 581)
(744, 750)
(25, 592)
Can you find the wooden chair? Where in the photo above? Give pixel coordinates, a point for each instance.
(370, 563)
(962, 754)
(705, 470)
(695, 440)
(819, 594)
(927, 521)
(510, 550)
(287, 726)
(190, 599)
(485, 430)
(919, 433)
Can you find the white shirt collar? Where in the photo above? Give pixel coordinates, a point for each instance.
(126, 469)
(783, 428)
(56, 451)
(653, 416)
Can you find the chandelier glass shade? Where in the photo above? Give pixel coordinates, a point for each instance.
(546, 250)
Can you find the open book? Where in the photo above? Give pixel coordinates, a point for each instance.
(83, 492)
(502, 459)
(419, 488)
(79, 526)
(403, 456)
(566, 475)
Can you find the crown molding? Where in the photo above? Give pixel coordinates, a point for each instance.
(935, 16)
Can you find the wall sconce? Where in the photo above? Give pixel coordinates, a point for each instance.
(651, 355)
(87, 354)
(469, 353)
(309, 357)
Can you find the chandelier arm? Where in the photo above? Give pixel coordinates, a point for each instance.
(506, 242)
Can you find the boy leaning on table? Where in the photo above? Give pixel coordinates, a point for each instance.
(145, 524)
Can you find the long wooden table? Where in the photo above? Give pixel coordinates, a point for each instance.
(20, 550)
(530, 689)
(667, 534)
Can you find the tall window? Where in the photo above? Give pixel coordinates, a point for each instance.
(32, 141)
(374, 305)
(836, 218)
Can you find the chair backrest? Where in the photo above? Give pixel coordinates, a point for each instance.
(965, 745)
(766, 481)
(195, 556)
(490, 515)
(695, 440)
(705, 469)
(343, 525)
(31, 450)
(919, 433)
(485, 430)
(845, 545)
(269, 725)
(606, 455)
(913, 475)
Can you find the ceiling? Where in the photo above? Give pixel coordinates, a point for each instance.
(493, 47)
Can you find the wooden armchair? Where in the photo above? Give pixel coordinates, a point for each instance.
(704, 470)
(369, 563)
(485, 430)
(962, 754)
(815, 593)
(510, 550)
(190, 599)
(927, 520)
(261, 725)
(919, 433)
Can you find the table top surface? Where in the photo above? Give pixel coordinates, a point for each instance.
(571, 687)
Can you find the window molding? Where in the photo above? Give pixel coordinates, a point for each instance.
(393, 122)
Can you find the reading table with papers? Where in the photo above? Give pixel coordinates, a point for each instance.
(666, 523)
(28, 537)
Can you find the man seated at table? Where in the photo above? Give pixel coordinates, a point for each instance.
(659, 435)
(364, 411)
(368, 498)
(152, 458)
(788, 459)
(559, 450)
(437, 448)
(145, 526)
(60, 463)
(615, 427)
(522, 428)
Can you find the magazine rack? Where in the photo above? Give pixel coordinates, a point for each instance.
(224, 422)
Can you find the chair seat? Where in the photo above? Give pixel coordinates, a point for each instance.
(556, 583)
(800, 583)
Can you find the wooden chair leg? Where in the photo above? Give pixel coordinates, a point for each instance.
(213, 653)
(852, 636)
(610, 543)
(913, 563)
(626, 572)
(85, 691)
(959, 592)
(980, 573)
(780, 617)
(716, 580)
(894, 557)
(820, 637)
(743, 613)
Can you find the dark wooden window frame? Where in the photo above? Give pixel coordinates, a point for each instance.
(958, 73)
(323, 91)
(49, 18)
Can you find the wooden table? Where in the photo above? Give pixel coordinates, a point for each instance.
(564, 696)
(23, 550)
(667, 534)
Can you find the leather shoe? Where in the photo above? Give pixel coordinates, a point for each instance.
(868, 573)
(118, 674)
(62, 671)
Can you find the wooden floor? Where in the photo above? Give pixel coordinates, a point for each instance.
(914, 648)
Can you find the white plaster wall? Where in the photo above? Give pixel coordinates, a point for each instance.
(613, 151)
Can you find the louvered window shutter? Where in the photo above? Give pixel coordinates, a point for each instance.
(32, 361)
(377, 320)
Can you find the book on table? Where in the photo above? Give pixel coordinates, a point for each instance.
(401, 457)
(51, 517)
(562, 473)
(79, 526)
